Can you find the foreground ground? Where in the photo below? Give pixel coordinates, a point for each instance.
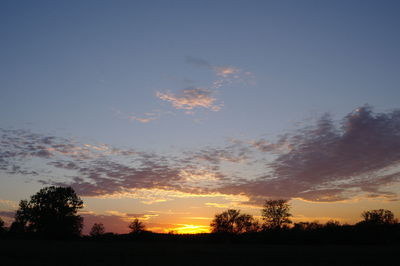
(40, 252)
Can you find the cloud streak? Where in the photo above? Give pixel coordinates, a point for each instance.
(143, 118)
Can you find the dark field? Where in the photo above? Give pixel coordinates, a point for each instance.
(41, 252)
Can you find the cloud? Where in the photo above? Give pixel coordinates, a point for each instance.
(7, 214)
(189, 99)
(195, 97)
(99, 169)
(265, 146)
(329, 162)
(228, 75)
(7, 217)
(232, 153)
(113, 221)
(144, 118)
(226, 71)
(221, 71)
(197, 62)
(218, 205)
(8, 205)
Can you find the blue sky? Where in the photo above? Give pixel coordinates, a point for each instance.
(172, 78)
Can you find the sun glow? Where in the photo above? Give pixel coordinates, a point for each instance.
(189, 229)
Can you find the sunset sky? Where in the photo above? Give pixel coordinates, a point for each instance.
(173, 111)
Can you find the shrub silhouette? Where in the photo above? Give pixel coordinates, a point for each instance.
(276, 214)
(51, 212)
(233, 222)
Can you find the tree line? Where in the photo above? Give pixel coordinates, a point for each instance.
(276, 216)
(53, 213)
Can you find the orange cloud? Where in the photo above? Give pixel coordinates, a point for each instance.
(142, 119)
(189, 99)
(225, 71)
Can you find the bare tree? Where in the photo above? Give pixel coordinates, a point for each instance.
(232, 221)
(136, 226)
(97, 230)
(276, 214)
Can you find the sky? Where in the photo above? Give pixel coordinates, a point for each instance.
(173, 111)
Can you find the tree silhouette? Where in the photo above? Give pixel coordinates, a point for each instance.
(136, 226)
(16, 228)
(276, 214)
(2, 229)
(332, 224)
(51, 212)
(231, 221)
(97, 230)
(378, 217)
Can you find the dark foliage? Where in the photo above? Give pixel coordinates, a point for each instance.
(378, 217)
(233, 222)
(52, 212)
(2, 228)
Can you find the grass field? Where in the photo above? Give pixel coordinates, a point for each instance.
(40, 252)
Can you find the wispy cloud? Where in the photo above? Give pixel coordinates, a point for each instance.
(281, 145)
(232, 153)
(191, 98)
(144, 118)
(204, 97)
(197, 62)
(196, 97)
(8, 205)
(226, 71)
